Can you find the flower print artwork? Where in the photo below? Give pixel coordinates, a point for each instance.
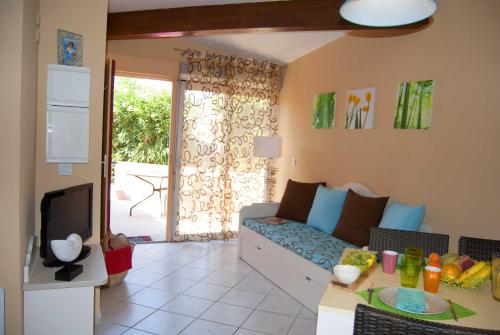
(360, 110)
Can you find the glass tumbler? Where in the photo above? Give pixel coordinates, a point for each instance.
(495, 275)
(411, 265)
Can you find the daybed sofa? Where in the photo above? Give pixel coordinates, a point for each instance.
(296, 257)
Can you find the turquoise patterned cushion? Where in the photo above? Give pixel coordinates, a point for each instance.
(312, 244)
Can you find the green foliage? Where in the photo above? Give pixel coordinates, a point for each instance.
(324, 111)
(414, 109)
(141, 122)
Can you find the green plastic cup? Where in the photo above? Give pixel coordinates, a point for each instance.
(411, 265)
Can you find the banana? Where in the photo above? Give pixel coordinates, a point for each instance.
(484, 273)
(471, 271)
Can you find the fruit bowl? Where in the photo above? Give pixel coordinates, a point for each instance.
(464, 272)
(362, 259)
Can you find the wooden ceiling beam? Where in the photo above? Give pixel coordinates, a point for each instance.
(272, 16)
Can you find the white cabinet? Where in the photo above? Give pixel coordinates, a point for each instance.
(67, 130)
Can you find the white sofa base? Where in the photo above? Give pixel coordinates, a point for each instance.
(303, 280)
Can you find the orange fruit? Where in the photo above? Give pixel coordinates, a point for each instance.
(450, 272)
(435, 260)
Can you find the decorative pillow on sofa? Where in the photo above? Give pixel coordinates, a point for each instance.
(297, 200)
(326, 209)
(358, 216)
(403, 217)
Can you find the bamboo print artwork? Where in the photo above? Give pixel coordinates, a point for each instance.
(324, 111)
(414, 105)
(360, 109)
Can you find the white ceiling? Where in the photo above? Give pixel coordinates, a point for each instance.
(282, 47)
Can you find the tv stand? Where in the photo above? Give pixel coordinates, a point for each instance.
(53, 263)
(62, 307)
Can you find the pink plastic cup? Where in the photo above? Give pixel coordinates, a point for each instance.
(389, 261)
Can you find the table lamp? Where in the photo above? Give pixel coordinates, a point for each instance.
(268, 147)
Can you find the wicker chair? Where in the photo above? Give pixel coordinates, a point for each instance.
(478, 248)
(397, 240)
(372, 321)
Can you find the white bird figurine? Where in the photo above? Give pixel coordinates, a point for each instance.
(67, 250)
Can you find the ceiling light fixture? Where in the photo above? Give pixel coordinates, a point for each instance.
(387, 13)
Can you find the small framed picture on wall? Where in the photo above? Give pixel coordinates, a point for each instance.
(69, 48)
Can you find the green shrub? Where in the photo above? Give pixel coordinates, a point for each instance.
(141, 122)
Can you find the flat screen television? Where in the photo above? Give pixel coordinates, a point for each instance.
(65, 212)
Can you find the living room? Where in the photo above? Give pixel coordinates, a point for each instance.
(451, 167)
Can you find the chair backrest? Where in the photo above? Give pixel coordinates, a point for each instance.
(397, 240)
(478, 248)
(371, 321)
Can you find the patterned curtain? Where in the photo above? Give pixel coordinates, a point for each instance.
(227, 102)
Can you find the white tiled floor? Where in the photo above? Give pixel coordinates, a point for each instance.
(194, 288)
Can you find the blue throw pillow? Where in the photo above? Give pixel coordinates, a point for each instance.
(403, 217)
(326, 209)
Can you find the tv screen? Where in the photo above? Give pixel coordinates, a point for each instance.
(65, 212)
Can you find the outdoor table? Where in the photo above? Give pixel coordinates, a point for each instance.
(158, 189)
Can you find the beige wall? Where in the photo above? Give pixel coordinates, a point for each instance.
(17, 136)
(452, 168)
(89, 19)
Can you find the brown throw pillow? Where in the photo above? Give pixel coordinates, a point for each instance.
(297, 200)
(358, 216)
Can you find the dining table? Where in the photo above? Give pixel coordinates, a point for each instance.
(149, 178)
(337, 306)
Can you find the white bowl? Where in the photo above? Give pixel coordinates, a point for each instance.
(67, 250)
(346, 274)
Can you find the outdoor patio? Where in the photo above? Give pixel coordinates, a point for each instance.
(128, 189)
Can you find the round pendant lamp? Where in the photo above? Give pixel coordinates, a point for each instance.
(387, 13)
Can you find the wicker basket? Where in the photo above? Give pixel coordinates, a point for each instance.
(116, 278)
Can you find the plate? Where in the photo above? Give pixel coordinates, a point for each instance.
(434, 303)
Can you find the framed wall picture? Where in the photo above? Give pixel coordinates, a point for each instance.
(324, 111)
(69, 48)
(360, 110)
(414, 105)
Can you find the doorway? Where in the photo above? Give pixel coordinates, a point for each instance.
(140, 143)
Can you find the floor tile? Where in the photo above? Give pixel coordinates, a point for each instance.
(226, 314)
(255, 285)
(174, 285)
(138, 263)
(108, 328)
(193, 251)
(254, 274)
(120, 291)
(200, 327)
(143, 278)
(151, 297)
(242, 331)
(275, 324)
(207, 291)
(161, 268)
(164, 323)
(207, 263)
(191, 273)
(280, 305)
(223, 279)
(190, 306)
(305, 313)
(235, 268)
(133, 331)
(126, 313)
(303, 327)
(243, 298)
(279, 292)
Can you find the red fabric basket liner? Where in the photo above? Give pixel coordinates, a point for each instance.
(118, 260)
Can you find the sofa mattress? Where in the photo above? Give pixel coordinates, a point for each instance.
(314, 245)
